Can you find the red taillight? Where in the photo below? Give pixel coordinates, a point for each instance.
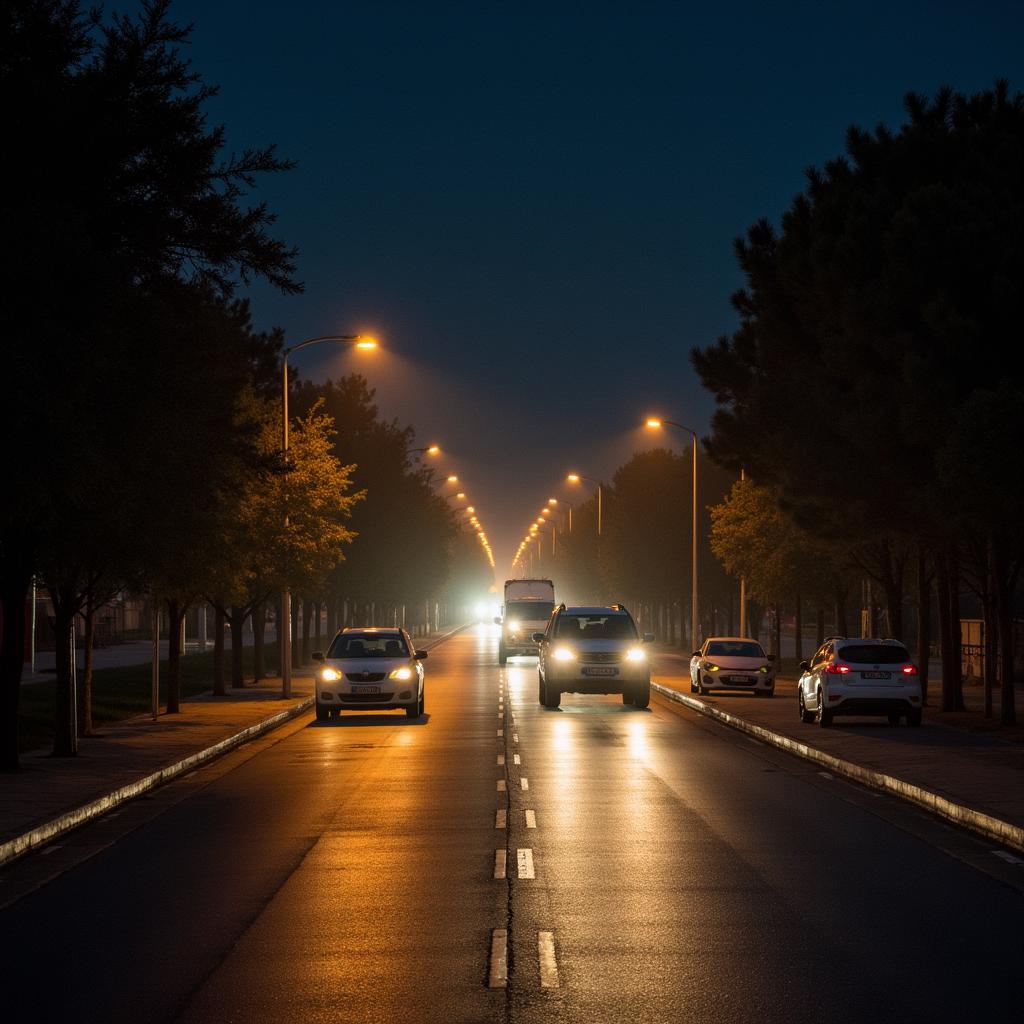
(836, 669)
(910, 670)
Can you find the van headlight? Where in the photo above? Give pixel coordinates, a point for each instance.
(514, 625)
(635, 654)
(402, 673)
(329, 675)
(563, 654)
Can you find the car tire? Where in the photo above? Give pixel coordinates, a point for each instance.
(627, 698)
(693, 685)
(423, 702)
(701, 688)
(822, 716)
(502, 654)
(552, 698)
(413, 710)
(914, 719)
(322, 713)
(805, 715)
(642, 696)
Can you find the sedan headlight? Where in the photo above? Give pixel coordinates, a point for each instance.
(402, 673)
(329, 675)
(765, 669)
(710, 666)
(563, 654)
(635, 654)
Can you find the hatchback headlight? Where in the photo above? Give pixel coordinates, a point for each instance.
(329, 675)
(635, 654)
(710, 666)
(765, 669)
(563, 654)
(402, 673)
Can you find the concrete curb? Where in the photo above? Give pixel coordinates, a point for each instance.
(984, 824)
(41, 835)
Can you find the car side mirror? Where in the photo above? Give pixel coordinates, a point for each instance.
(648, 638)
(420, 655)
(538, 638)
(696, 654)
(497, 620)
(805, 666)
(318, 655)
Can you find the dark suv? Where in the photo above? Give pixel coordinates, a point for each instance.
(593, 650)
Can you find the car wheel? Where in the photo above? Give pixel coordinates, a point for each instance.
(642, 696)
(413, 710)
(540, 688)
(894, 719)
(770, 693)
(914, 719)
(322, 713)
(822, 716)
(627, 698)
(502, 654)
(701, 688)
(693, 685)
(805, 715)
(423, 702)
(552, 698)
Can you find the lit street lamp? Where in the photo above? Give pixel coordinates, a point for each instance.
(656, 423)
(575, 478)
(284, 628)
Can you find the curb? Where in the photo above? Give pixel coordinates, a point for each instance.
(39, 836)
(984, 824)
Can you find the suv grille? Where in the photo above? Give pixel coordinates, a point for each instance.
(600, 657)
(364, 677)
(365, 698)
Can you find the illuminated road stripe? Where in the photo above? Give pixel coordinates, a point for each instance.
(501, 759)
(548, 963)
(51, 849)
(501, 785)
(501, 732)
(1008, 857)
(517, 759)
(498, 974)
(531, 819)
(524, 858)
(499, 818)
(825, 775)
(499, 863)
(515, 737)
(524, 782)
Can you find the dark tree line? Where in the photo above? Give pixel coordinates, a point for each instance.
(874, 383)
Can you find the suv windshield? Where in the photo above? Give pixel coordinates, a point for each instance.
(535, 611)
(368, 645)
(595, 627)
(736, 649)
(873, 654)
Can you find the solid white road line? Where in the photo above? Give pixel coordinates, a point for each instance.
(524, 858)
(531, 819)
(498, 975)
(499, 818)
(501, 759)
(51, 849)
(516, 759)
(499, 863)
(524, 782)
(1001, 854)
(825, 775)
(501, 785)
(548, 963)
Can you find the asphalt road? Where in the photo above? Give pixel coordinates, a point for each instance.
(651, 866)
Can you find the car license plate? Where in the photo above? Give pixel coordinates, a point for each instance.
(876, 675)
(591, 671)
(739, 679)
(366, 689)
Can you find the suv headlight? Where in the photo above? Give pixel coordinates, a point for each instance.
(402, 673)
(329, 675)
(563, 654)
(635, 654)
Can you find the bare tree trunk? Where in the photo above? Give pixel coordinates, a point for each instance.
(945, 632)
(954, 611)
(259, 623)
(219, 682)
(237, 617)
(318, 633)
(820, 624)
(307, 622)
(777, 634)
(1005, 580)
(175, 615)
(64, 744)
(85, 688)
(15, 587)
(799, 630)
(296, 644)
(924, 618)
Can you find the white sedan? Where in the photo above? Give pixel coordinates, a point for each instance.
(371, 670)
(732, 663)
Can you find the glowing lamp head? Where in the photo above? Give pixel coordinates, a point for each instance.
(366, 342)
(461, 494)
(552, 501)
(453, 479)
(470, 509)
(653, 421)
(573, 478)
(434, 449)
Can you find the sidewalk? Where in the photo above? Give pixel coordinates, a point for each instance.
(975, 769)
(129, 752)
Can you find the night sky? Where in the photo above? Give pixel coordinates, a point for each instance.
(534, 205)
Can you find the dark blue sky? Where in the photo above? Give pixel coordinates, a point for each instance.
(534, 204)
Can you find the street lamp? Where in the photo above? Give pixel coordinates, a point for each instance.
(575, 478)
(657, 424)
(284, 629)
(433, 449)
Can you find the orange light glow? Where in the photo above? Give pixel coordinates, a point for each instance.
(573, 478)
(453, 479)
(653, 421)
(434, 449)
(366, 342)
(552, 501)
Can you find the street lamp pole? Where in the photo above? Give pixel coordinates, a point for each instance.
(284, 628)
(575, 478)
(694, 617)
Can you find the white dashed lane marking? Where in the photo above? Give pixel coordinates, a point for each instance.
(1008, 857)
(498, 975)
(501, 759)
(515, 737)
(499, 817)
(501, 732)
(516, 759)
(51, 849)
(548, 963)
(524, 782)
(825, 775)
(499, 863)
(524, 858)
(531, 819)
(501, 785)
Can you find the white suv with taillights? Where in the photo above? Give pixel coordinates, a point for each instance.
(593, 650)
(850, 676)
(370, 669)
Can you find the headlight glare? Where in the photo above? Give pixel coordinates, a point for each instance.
(329, 675)
(402, 673)
(635, 654)
(563, 654)
(514, 625)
